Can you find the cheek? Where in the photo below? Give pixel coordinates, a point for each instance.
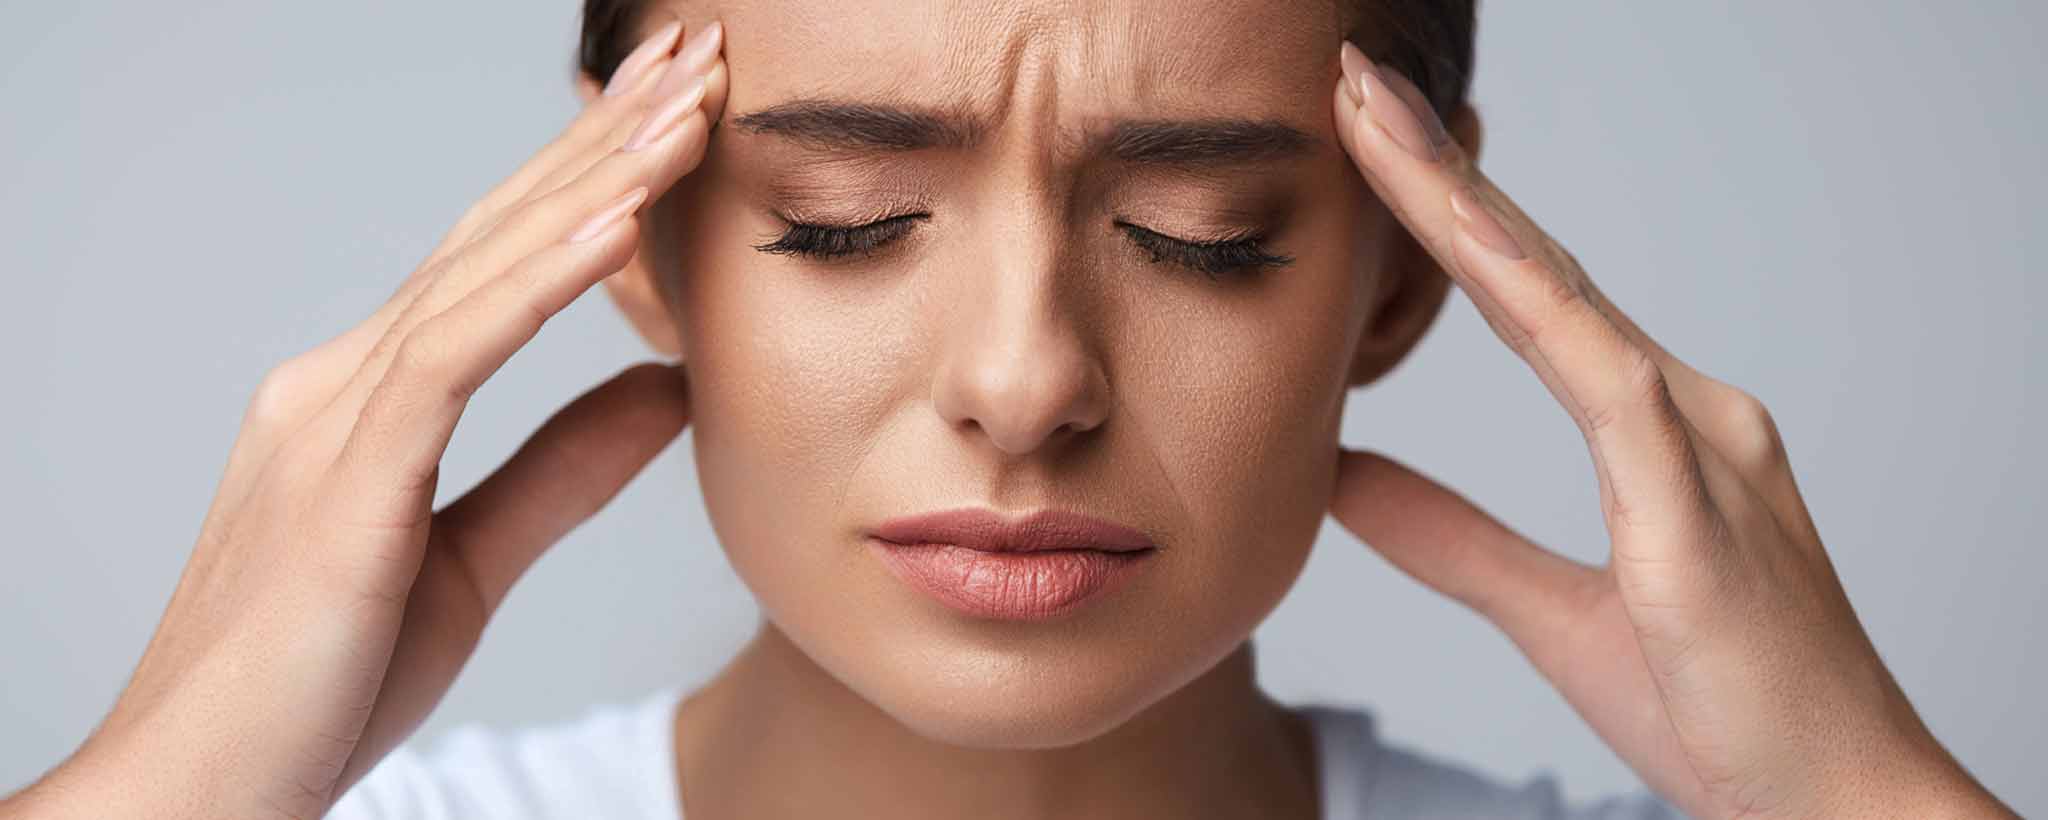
(1245, 416)
(787, 394)
(812, 416)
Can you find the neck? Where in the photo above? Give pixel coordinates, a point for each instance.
(775, 735)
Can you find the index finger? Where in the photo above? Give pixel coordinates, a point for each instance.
(1534, 294)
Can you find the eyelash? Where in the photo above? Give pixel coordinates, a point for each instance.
(834, 241)
(1241, 255)
(1238, 255)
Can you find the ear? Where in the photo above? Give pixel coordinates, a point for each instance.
(633, 288)
(1412, 286)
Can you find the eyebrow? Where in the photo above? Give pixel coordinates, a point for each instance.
(874, 127)
(852, 125)
(1204, 142)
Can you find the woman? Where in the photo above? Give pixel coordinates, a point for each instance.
(1099, 278)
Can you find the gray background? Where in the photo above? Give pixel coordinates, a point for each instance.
(1831, 204)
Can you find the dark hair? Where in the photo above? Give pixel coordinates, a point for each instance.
(1430, 41)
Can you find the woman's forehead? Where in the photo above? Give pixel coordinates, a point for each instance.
(1255, 57)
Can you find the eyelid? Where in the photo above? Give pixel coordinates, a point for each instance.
(1241, 254)
(827, 242)
(1228, 238)
(836, 225)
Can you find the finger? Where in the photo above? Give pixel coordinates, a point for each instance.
(1737, 426)
(1728, 419)
(1611, 386)
(675, 145)
(394, 447)
(296, 389)
(568, 470)
(1549, 605)
(1439, 538)
(563, 475)
(698, 59)
(627, 96)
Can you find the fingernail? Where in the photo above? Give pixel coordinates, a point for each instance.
(1481, 223)
(697, 52)
(664, 119)
(1354, 63)
(1418, 103)
(1395, 117)
(610, 215)
(650, 50)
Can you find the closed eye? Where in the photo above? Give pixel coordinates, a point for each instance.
(820, 241)
(1213, 258)
(1239, 255)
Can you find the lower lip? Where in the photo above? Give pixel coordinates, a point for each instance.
(1018, 586)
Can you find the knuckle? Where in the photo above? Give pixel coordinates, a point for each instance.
(422, 357)
(533, 315)
(1561, 307)
(1639, 387)
(1563, 293)
(278, 397)
(1644, 380)
(429, 361)
(1753, 433)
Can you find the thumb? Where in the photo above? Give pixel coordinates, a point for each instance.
(1436, 536)
(561, 476)
(567, 471)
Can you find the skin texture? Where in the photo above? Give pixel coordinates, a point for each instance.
(1016, 350)
(1013, 351)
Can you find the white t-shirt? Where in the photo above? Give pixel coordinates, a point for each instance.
(618, 761)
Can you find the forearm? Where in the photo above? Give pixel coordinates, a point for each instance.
(136, 774)
(1928, 783)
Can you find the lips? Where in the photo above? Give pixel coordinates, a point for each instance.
(1036, 567)
(989, 532)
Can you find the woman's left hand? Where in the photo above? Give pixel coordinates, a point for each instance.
(1716, 651)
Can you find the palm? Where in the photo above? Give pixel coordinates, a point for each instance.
(1716, 651)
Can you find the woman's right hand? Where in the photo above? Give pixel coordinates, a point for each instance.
(326, 606)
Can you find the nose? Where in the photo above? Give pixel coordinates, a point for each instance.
(1018, 368)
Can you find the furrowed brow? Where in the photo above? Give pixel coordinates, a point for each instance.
(859, 125)
(852, 125)
(1213, 142)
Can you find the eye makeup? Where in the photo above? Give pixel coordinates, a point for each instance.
(825, 241)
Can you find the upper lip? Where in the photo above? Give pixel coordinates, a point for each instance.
(989, 531)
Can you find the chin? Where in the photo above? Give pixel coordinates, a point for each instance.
(980, 685)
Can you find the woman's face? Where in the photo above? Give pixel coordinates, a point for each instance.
(1028, 328)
